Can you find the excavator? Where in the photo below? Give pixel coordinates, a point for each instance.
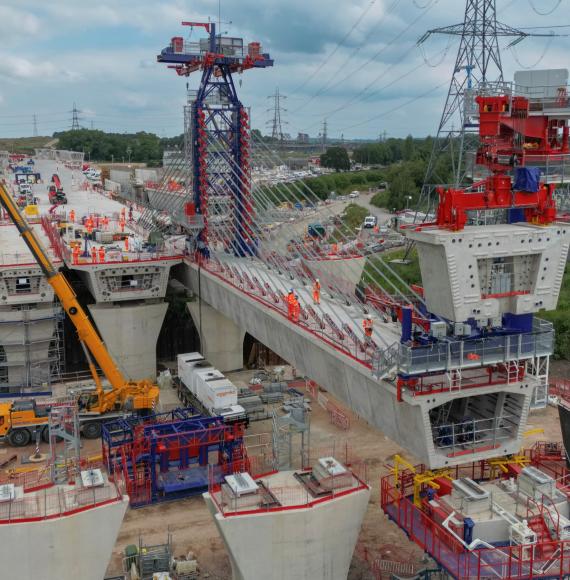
(22, 421)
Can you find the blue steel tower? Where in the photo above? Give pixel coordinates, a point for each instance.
(218, 135)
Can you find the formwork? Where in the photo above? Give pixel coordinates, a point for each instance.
(31, 350)
(162, 460)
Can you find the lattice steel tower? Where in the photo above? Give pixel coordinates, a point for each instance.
(75, 118)
(478, 65)
(277, 122)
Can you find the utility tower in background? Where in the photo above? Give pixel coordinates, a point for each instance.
(75, 118)
(477, 66)
(35, 120)
(277, 122)
(324, 135)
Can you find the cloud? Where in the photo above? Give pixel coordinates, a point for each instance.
(17, 25)
(325, 58)
(18, 69)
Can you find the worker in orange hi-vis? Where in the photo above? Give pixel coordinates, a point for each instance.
(72, 216)
(127, 244)
(290, 299)
(368, 326)
(122, 224)
(101, 255)
(317, 292)
(105, 222)
(296, 308)
(93, 254)
(76, 251)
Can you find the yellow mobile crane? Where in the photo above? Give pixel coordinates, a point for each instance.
(20, 421)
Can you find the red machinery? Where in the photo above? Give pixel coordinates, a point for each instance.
(509, 136)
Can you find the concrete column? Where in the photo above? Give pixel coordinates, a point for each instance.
(130, 332)
(220, 337)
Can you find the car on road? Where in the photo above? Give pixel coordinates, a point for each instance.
(354, 194)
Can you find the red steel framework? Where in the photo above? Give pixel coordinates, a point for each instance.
(508, 134)
(423, 523)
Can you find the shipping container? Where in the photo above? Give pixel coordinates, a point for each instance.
(186, 363)
(218, 394)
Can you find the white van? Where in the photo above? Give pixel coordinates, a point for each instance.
(370, 221)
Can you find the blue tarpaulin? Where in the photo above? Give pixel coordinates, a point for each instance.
(527, 179)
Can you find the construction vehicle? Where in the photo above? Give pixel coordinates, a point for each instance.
(55, 191)
(20, 421)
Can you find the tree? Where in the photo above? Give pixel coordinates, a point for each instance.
(336, 158)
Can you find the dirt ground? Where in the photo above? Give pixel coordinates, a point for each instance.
(192, 528)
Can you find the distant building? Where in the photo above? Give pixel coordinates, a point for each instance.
(172, 159)
(303, 138)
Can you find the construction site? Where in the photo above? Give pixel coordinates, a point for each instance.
(207, 371)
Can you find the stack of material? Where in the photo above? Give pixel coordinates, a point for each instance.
(271, 397)
(250, 401)
(279, 387)
(185, 569)
(297, 403)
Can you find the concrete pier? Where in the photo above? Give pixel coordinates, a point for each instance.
(297, 536)
(220, 338)
(130, 332)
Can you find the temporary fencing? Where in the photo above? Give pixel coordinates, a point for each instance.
(337, 416)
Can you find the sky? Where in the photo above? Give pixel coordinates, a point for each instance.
(354, 63)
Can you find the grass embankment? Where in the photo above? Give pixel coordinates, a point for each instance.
(323, 185)
(561, 319)
(23, 144)
(409, 273)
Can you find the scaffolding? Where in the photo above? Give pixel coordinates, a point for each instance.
(64, 443)
(294, 424)
(31, 357)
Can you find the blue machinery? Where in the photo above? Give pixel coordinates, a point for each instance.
(172, 455)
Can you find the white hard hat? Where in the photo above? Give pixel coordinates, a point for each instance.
(369, 317)
(317, 280)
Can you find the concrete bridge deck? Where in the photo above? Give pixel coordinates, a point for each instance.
(348, 375)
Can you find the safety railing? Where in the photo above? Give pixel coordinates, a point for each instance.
(111, 256)
(54, 502)
(275, 498)
(236, 51)
(470, 353)
(347, 342)
(547, 559)
(16, 259)
(470, 435)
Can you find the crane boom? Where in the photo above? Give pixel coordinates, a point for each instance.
(85, 330)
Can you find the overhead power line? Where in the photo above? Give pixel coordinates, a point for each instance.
(339, 45)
